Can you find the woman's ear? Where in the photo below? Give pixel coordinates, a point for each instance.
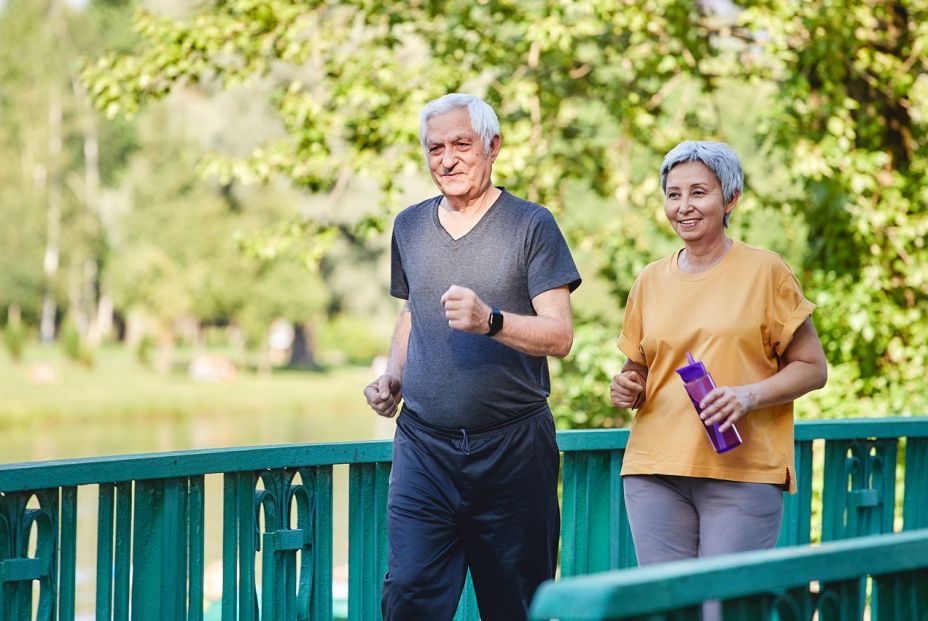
(730, 206)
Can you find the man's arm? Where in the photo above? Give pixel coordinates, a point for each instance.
(548, 333)
(383, 394)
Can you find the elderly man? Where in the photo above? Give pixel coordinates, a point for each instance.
(487, 279)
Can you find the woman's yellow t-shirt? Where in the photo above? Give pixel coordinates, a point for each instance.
(737, 318)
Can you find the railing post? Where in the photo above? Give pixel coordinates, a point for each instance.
(467, 606)
(68, 553)
(859, 489)
(105, 504)
(121, 592)
(159, 554)
(915, 500)
(247, 545)
(859, 492)
(147, 550)
(196, 537)
(797, 508)
(314, 595)
(367, 538)
(902, 596)
(595, 535)
(230, 528)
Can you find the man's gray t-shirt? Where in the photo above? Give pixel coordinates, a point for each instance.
(455, 379)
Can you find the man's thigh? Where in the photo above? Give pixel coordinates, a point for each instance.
(511, 533)
(663, 520)
(737, 517)
(425, 562)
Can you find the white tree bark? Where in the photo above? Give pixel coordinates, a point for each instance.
(53, 216)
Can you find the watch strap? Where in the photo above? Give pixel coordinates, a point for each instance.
(495, 321)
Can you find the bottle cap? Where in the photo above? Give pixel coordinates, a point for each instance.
(693, 370)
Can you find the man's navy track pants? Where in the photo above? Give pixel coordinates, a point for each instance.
(483, 499)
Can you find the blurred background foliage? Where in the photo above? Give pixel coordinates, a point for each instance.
(171, 169)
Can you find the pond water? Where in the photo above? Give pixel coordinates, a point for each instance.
(88, 438)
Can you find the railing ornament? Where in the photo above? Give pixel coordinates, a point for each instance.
(859, 492)
(18, 570)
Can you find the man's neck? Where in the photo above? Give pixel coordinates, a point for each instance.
(472, 206)
(458, 222)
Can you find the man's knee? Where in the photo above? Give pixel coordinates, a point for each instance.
(408, 597)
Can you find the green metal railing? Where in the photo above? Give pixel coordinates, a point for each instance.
(758, 586)
(278, 515)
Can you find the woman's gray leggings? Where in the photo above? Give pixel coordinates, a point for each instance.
(674, 517)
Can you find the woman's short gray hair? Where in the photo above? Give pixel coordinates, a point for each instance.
(482, 117)
(717, 157)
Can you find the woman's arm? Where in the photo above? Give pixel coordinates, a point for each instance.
(628, 387)
(804, 370)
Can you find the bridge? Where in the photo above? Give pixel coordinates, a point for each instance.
(860, 482)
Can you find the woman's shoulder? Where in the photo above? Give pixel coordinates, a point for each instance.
(761, 260)
(759, 256)
(658, 267)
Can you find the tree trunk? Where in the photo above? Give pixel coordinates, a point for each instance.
(53, 217)
(302, 352)
(164, 361)
(102, 326)
(83, 302)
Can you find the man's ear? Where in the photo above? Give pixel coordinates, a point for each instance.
(495, 144)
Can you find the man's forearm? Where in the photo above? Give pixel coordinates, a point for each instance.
(537, 335)
(550, 332)
(396, 360)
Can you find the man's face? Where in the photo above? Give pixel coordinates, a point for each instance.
(459, 165)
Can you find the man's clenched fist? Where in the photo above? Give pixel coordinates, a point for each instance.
(383, 394)
(465, 311)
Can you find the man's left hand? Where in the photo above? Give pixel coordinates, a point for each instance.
(465, 311)
(725, 405)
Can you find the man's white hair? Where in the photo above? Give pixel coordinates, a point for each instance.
(482, 117)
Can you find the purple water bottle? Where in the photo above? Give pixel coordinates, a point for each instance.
(698, 384)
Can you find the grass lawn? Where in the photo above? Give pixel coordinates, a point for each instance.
(119, 386)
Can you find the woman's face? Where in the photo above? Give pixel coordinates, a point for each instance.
(694, 204)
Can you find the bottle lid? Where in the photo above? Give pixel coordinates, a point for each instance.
(693, 370)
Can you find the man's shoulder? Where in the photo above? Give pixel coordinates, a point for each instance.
(418, 212)
(521, 206)
(520, 211)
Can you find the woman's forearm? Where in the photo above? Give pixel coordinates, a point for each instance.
(791, 382)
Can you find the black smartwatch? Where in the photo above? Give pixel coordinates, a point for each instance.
(495, 321)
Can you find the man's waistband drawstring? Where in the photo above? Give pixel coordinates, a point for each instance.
(465, 445)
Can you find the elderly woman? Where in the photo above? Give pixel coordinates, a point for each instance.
(741, 312)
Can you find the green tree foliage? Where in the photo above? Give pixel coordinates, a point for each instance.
(851, 112)
(572, 82)
(177, 252)
(825, 99)
(52, 230)
(31, 70)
